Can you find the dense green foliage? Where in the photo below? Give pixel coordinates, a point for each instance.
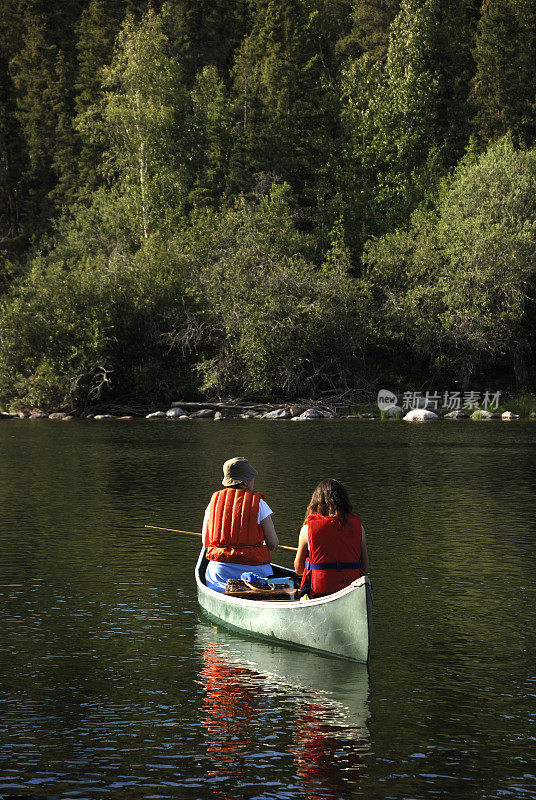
(265, 199)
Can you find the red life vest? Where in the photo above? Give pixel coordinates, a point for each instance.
(234, 535)
(334, 559)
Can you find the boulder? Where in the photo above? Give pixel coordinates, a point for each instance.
(509, 415)
(176, 412)
(203, 413)
(103, 416)
(57, 415)
(248, 415)
(456, 414)
(38, 415)
(482, 413)
(23, 414)
(296, 411)
(392, 411)
(217, 416)
(420, 415)
(279, 413)
(156, 415)
(67, 418)
(312, 413)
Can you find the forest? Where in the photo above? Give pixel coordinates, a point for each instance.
(265, 199)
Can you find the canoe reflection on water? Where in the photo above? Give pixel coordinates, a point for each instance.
(264, 704)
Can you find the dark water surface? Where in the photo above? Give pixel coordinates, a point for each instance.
(112, 684)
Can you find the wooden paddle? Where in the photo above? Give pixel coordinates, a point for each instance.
(193, 533)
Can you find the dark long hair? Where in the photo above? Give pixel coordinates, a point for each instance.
(330, 499)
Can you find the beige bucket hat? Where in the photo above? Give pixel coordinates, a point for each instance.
(236, 470)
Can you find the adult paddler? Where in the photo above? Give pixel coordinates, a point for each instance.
(332, 549)
(238, 531)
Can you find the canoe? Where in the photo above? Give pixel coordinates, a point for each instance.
(339, 624)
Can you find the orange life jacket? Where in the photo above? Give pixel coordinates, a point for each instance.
(334, 559)
(233, 531)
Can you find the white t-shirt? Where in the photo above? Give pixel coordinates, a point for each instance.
(264, 511)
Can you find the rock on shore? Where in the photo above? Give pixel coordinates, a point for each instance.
(420, 415)
(279, 413)
(392, 411)
(203, 413)
(312, 413)
(176, 412)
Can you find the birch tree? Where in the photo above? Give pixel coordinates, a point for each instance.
(144, 109)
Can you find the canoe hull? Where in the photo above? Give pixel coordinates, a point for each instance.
(339, 624)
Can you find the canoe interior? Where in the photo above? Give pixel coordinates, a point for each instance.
(279, 572)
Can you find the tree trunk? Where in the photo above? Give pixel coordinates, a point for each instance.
(520, 365)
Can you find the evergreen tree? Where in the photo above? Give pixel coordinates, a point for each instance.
(64, 154)
(505, 81)
(206, 33)
(406, 122)
(371, 22)
(456, 33)
(286, 98)
(33, 70)
(37, 55)
(62, 18)
(391, 121)
(11, 165)
(210, 136)
(98, 28)
(12, 161)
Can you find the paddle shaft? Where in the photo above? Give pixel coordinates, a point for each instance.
(193, 533)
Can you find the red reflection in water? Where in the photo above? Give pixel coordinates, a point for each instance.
(330, 758)
(329, 751)
(231, 700)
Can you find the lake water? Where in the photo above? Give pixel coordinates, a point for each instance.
(114, 685)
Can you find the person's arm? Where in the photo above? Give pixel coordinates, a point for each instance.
(270, 536)
(364, 554)
(301, 555)
(204, 529)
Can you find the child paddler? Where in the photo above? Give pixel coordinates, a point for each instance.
(238, 530)
(332, 549)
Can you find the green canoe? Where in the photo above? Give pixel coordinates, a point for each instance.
(339, 624)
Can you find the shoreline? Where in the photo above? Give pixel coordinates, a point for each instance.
(183, 410)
